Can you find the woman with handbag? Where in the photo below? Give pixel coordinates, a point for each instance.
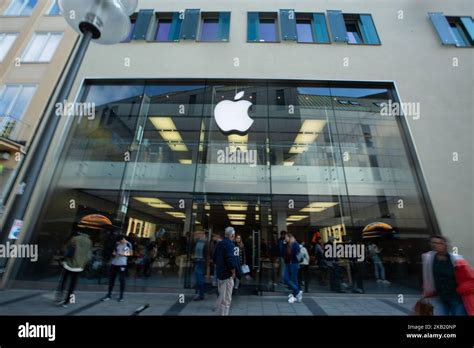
(447, 279)
(245, 268)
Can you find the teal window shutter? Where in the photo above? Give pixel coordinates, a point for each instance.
(288, 25)
(469, 26)
(224, 26)
(190, 24)
(320, 28)
(338, 26)
(175, 29)
(442, 27)
(142, 24)
(253, 20)
(367, 27)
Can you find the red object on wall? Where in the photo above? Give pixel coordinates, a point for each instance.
(315, 237)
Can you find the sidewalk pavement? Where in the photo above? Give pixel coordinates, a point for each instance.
(33, 302)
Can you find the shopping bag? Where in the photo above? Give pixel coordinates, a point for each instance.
(423, 307)
(245, 269)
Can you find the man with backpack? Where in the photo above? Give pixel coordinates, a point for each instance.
(78, 254)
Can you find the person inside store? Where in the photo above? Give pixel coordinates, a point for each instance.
(199, 255)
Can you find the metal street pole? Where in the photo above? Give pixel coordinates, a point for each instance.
(106, 22)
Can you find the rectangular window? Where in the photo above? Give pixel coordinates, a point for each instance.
(54, 9)
(21, 8)
(312, 28)
(6, 42)
(163, 29)
(460, 30)
(361, 29)
(453, 30)
(42, 47)
(305, 30)
(209, 31)
(268, 30)
(168, 26)
(215, 26)
(262, 27)
(14, 101)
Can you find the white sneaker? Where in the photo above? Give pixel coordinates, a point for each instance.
(291, 299)
(385, 282)
(299, 297)
(379, 280)
(290, 295)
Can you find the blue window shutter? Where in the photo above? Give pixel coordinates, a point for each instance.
(469, 26)
(224, 26)
(288, 25)
(253, 20)
(320, 28)
(442, 27)
(175, 29)
(338, 26)
(368, 30)
(190, 24)
(142, 24)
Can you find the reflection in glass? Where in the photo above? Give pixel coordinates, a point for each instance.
(319, 160)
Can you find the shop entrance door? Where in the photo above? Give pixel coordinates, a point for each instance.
(251, 217)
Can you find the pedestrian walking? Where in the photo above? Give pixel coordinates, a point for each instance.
(227, 270)
(292, 259)
(78, 254)
(447, 279)
(123, 250)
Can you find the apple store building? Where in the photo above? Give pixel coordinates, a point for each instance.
(159, 160)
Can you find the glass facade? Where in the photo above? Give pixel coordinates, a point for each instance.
(316, 159)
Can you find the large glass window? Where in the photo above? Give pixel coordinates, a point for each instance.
(164, 159)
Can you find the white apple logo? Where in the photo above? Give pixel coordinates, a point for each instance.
(232, 116)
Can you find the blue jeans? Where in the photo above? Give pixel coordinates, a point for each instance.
(451, 307)
(199, 272)
(379, 270)
(291, 277)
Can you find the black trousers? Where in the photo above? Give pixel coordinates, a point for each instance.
(121, 271)
(72, 284)
(303, 277)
